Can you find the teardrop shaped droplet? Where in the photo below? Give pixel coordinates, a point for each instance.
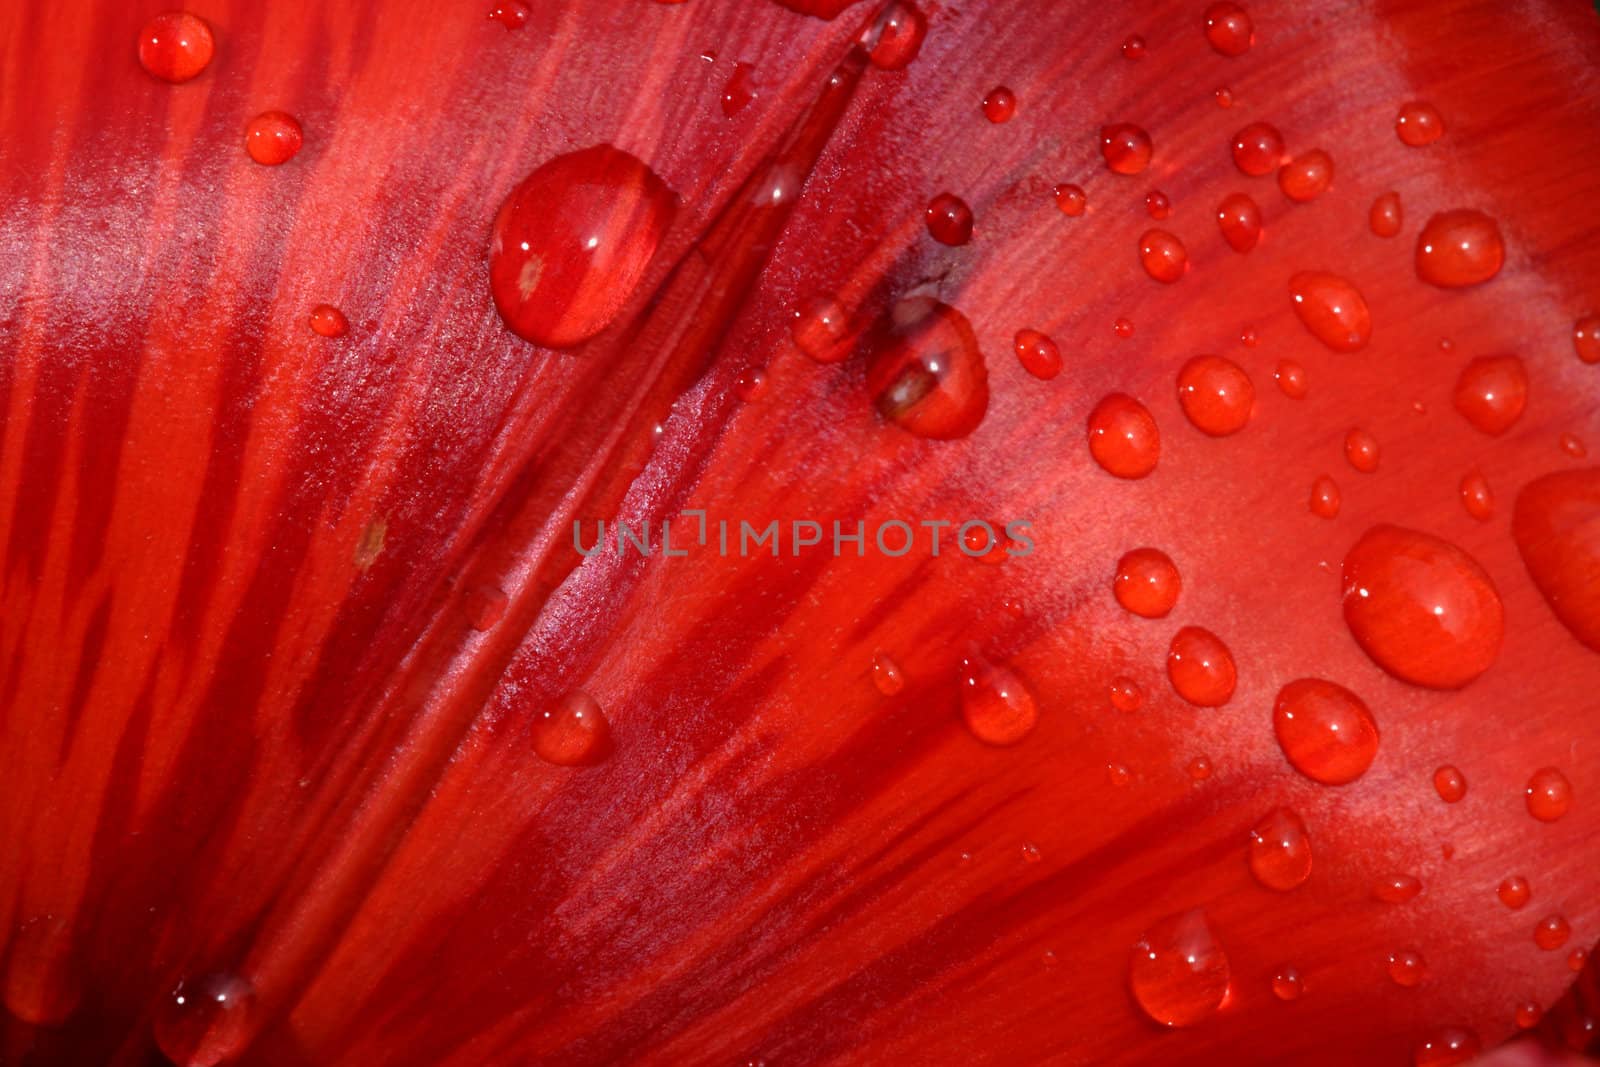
(1361, 450)
(176, 46)
(1147, 583)
(1038, 354)
(1216, 395)
(1556, 526)
(1179, 971)
(1291, 379)
(572, 733)
(886, 675)
(1325, 498)
(1280, 851)
(925, 373)
(1123, 438)
(1201, 668)
(1332, 309)
(1491, 393)
(1459, 248)
(205, 1020)
(1325, 731)
(1397, 888)
(1549, 794)
(996, 703)
(1239, 219)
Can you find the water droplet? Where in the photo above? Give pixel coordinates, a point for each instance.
(1258, 149)
(1307, 176)
(1201, 667)
(1386, 216)
(1239, 219)
(924, 371)
(1556, 525)
(1280, 851)
(1126, 148)
(1459, 248)
(949, 219)
(1133, 47)
(1476, 496)
(1528, 1015)
(1586, 338)
(1031, 853)
(573, 240)
(1224, 96)
(1216, 395)
(1423, 609)
(1249, 337)
(205, 1020)
(1038, 354)
(1325, 498)
(1071, 200)
(1397, 888)
(329, 321)
(999, 105)
(1157, 205)
(895, 38)
(1163, 256)
(1549, 794)
(1178, 971)
(1123, 328)
(1117, 774)
(1450, 784)
(1576, 960)
(1123, 437)
(1407, 968)
(1332, 309)
(573, 733)
(1514, 892)
(1126, 694)
(1418, 123)
(1572, 446)
(821, 329)
(1446, 1047)
(1229, 29)
(886, 675)
(1361, 449)
(1199, 768)
(273, 137)
(1551, 933)
(1291, 379)
(512, 14)
(1147, 583)
(1325, 731)
(1491, 393)
(997, 705)
(1286, 984)
(738, 93)
(176, 46)
(751, 384)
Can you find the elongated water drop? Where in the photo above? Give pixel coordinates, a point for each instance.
(925, 373)
(1179, 971)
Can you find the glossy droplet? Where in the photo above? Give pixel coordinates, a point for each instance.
(1421, 607)
(329, 321)
(1201, 668)
(1325, 731)
(1325, 498)
(924, 371)
(1549, 794)
(1446, 1047)
(1332, 309)
(572, 733)
(1576, 960)
(1386, 216)
(1291, 379)
(999, 105)
(273, 137)
(1216, 395)
(573, 240)
(821, 329)
(1573, 446)
(886, 675)
(751, 384)
(1491, 393)
(1122, 327)
(1586, 338)
(1178, 971)
(895, 37)
(1239, 219)
(1038, 354)
(1450, 784)
(1459, 248)
(1551, 932)
(1147, 583)
(1157, 205)
(1133, 47)
(1163, 256)
(1258, 149)
(1361, 449)
(738, 93)
(1280, 851)
(205, 1020)
(1071, 200)
(1397, 888)
(176, 46)
(1407, 968)
(1126, 148)
(1229, 29)
(1528, 1015)
(1419, 123)
(1031, 853)
(1123, 437)
(1117, 774)
(949, 219)
(997, 705)
(1199, 768)
(1307, 176)
(1286, 984)
(1476, 496)
(1514, 892)
(512, 14)
(1223, 96)
(1556, 525)
(1126, 694)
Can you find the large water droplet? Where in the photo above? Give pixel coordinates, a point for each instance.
(1147, 583)
(1306, 176)
(1459, 248)
(1325, 731)
(1421, 607)
(1332, 309)
(1126, 148)
(1229, 29)
(996, 703)
(1258, 149)
(205, 1020)
(1163, 256)
(1123, 437)
(1239, 219)
(1178, 971)
(1549, 794)
(273, 137)
(1216, 395)
(176, 46)
(573, 733)
(1418, 123)
(895, 37)
(1201, 668)
(1361, 450)
(925, 373)
(1491, 393)
(999, 105)
(1280, 851)
(1514, 892)
(573, 241)
(1556, 525)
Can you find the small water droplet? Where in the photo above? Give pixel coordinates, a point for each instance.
(1573, 446)
(1126, 148)
(1332, 309)
(1199, 768)
(1038, 354)
(1459, 248)
(176, 46)
(512, 14)
(329, 321)
(1306, 176)
(573, 733)
(1216, 395)
(273, 137)
(1201, 668)
(1586, 338)
(1551, 932)
(925, 373)
(1362, 451)
(751, 384)
(996, 703)
(738, 92)
(1528, 1015)
(1229, 29)
(1446, 1047)
(949, 219)
(1123, 328)
(1325, 731)
(1549, 794)
(1133, 47)
(1280, 851)
(1250, 338)
(1291, 379)
(1126, 694)
(1178, 970)
(1576, 959)
(1476, 495)
(886, 675)
(1031, 853)
(1450, 784)
(205, 1020)
(1325, 498)
(1157, 205)
(895, 37)
(999, 105)
(1514, 892)
(1123, 438)
(821, 329)
(1423, 609)
(1239, 219)
(1397, 888)
(1418, 123)
(1286, 984)
(1491, 393)
(1147, 583)
(1223, 96)
(1386, 215)
(1071, 200)
(1117, 774)
(1163, 256)
(1407, 968)
(1258, 149)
